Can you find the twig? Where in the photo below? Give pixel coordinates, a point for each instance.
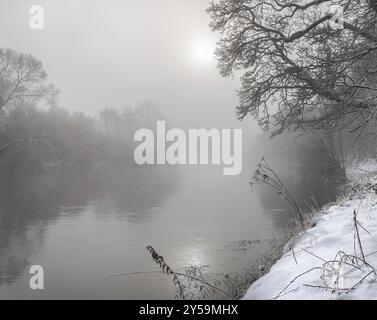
(177, 273)
(294, 279)
(327, 288)
(358, 234)
(159, 260)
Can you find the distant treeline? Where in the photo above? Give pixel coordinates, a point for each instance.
(35, 139)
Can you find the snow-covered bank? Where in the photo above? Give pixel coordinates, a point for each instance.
(336, 258)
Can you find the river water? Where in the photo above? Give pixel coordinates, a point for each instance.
(82, 228)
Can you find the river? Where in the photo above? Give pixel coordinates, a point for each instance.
(82, 228)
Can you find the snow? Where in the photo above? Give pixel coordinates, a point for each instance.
(330, 263)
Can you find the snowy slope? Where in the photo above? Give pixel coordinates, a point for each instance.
(330, 263)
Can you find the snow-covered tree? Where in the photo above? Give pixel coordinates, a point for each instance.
(304, 64)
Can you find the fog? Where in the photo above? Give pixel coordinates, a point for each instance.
(119, 53)
(84, 209)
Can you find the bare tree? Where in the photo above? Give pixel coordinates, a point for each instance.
(301, 69)
(21, 77)
(110, 119)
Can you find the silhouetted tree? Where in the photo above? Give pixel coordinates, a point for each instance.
(110, 119)
(299, 71)
(21, 77)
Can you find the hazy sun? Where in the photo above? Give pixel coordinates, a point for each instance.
(202, 51)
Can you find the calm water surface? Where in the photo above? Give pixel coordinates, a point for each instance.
(82, 228)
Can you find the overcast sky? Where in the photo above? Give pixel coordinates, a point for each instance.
(113, 53)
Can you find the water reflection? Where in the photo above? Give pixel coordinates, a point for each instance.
(30, 204)
(82, 227)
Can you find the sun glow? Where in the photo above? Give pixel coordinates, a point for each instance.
(202, 51)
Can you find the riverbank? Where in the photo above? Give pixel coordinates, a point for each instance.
(336, 258)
